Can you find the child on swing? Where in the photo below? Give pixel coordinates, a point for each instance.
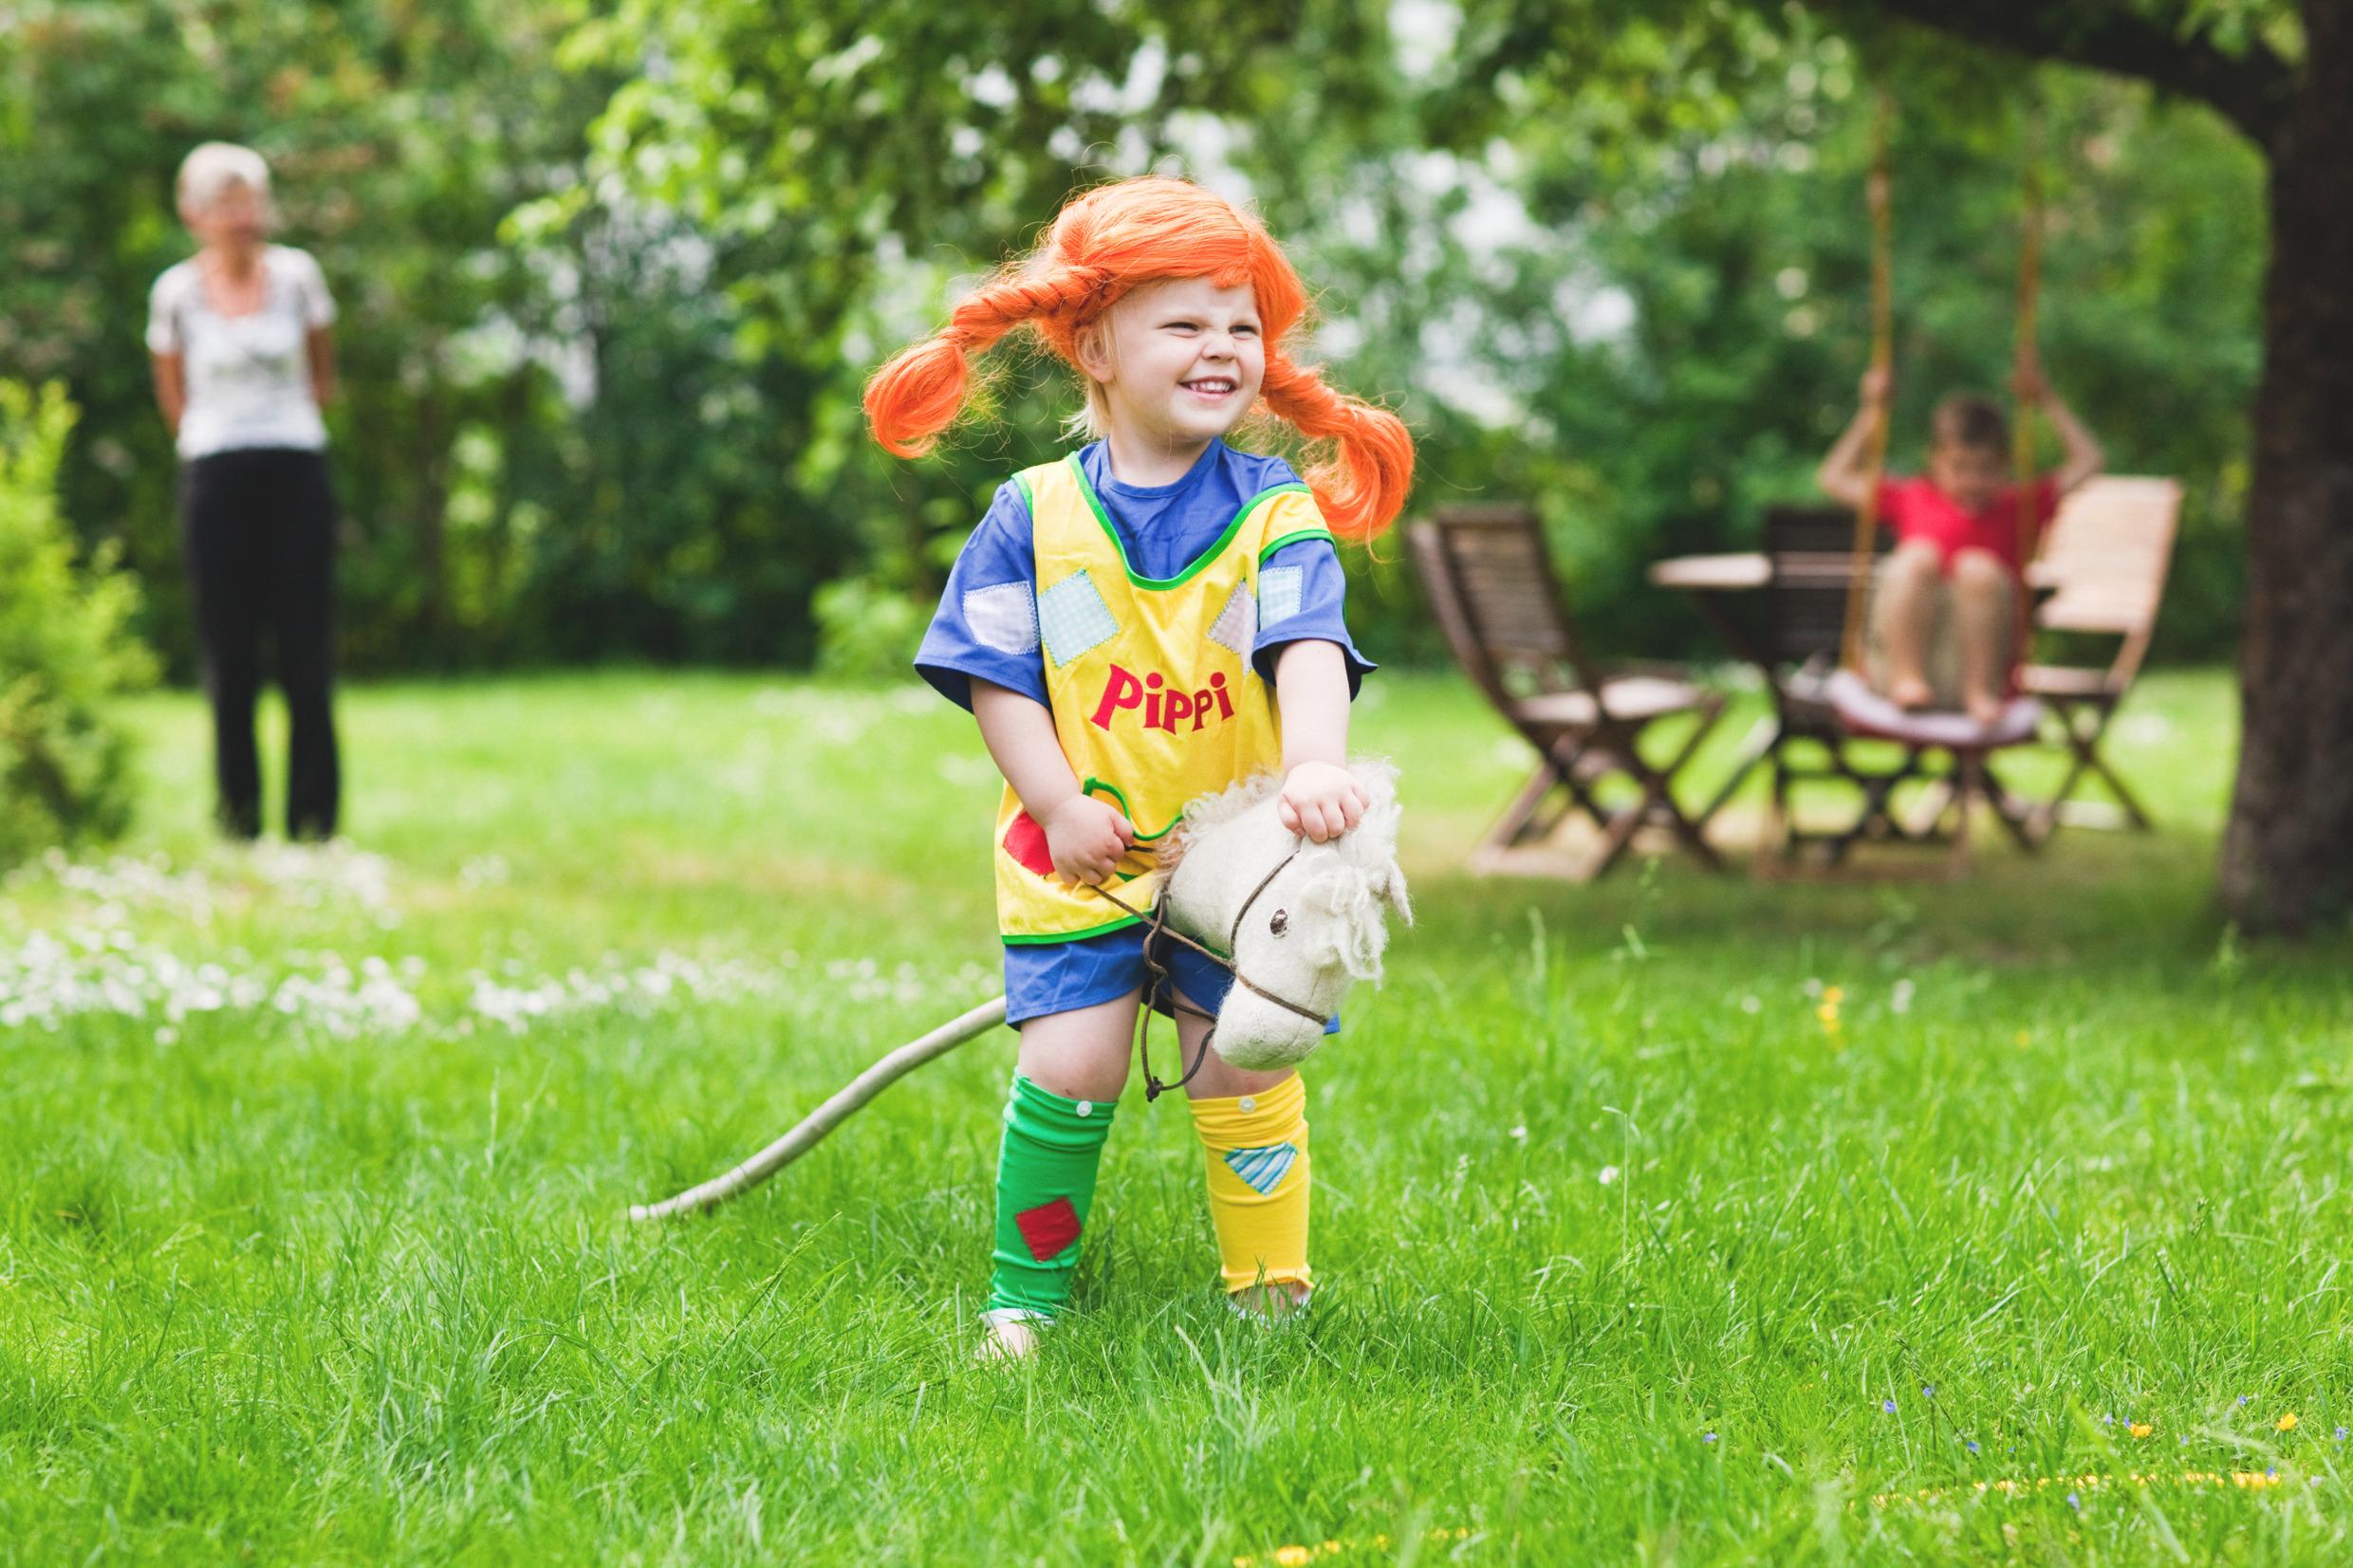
(1958, 550)
(1147, 619)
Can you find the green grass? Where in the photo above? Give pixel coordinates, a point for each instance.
(346, 1281)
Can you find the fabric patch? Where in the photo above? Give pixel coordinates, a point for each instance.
(1281, 589)
(1049, 1229)
(1026, 842)
(1262, 1169)
(1236, 626)
(1004, 616)
(1073, 618)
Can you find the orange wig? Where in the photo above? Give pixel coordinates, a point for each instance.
(1104, 243)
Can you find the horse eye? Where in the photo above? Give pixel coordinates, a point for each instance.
(1281, 923)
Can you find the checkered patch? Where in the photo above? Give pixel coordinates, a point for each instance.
(1236, 626)
(1281, 590)
(1073, 618)
(1262, 1169)
(1004, 616)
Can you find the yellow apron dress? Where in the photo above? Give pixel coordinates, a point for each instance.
(1150, 681)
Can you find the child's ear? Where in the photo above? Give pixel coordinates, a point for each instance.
(1092, 343)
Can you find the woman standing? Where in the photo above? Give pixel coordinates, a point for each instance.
(243, 364)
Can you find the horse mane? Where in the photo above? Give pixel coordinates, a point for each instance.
(1373, 843)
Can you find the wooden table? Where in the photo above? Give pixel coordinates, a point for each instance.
(1744, 572)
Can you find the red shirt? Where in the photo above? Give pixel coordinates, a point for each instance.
(1916, 508)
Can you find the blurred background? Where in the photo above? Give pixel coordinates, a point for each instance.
(611, 281)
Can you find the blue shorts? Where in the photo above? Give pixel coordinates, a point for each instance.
(1061, 977)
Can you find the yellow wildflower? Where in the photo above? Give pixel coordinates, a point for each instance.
(2142, 1428)
(2287, 1421)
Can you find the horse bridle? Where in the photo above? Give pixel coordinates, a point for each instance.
(1156, 920)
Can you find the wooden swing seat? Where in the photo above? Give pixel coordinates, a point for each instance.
(1865, 711)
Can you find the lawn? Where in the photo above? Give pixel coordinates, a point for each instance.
(1680, 1219)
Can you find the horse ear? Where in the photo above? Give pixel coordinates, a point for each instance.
(1393, 889)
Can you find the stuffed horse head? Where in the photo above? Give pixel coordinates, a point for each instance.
(1300, 920)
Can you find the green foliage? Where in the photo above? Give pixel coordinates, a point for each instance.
(65, 649)
(866, 630)
(612, 279)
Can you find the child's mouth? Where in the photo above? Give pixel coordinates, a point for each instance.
(1211, 389)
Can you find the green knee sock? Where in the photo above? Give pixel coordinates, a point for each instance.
(1046, 1185)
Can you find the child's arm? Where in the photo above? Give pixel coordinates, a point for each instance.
(2084, 457)
(1845, 475)
(1085, 835)
(1321, 798)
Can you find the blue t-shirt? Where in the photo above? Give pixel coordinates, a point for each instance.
(1162, 528)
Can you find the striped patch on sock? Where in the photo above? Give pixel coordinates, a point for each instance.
(1262, 1170)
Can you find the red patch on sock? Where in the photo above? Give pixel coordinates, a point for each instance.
(1048, 1227)
(1026, 842)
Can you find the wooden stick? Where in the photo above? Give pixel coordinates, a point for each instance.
(827, 1116)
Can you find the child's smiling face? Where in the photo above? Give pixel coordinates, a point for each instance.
(1178, 362)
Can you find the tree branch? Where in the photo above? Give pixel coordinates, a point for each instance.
(2251, 90)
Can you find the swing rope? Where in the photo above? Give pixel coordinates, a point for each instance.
(2029, 297)
(1881, 189)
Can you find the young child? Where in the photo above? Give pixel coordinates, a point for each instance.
(1957, 535)
(1144, 619)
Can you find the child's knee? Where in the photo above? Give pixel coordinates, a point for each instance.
(1979, 572)
(1917, 556)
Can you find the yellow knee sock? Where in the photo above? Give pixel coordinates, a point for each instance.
(1256, 1149)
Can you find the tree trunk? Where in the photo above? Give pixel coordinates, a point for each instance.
(2288, 853)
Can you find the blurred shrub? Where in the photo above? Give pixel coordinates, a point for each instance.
(65, 648)
(867, 629)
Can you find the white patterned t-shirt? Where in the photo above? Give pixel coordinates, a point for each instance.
(248, 376)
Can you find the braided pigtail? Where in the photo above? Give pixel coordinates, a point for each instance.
(1103, 243)
(1362, 487)
(920, 392)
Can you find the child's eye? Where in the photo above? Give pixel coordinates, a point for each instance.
(1180, 327)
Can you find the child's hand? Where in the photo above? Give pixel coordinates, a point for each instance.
(1877, 387)
(2026, 379)
(1086, 837)
(1322, 800)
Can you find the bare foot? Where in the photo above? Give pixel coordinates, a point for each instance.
(1008, 1340)
(1269, 1304)
(1910, 692)
(1984, 708)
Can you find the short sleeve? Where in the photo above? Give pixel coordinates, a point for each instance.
(987, 623)
(1888, 500)
(1302, 598)
(163, 314)
(310, 293)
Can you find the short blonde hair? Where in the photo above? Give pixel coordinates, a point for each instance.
(205, 175)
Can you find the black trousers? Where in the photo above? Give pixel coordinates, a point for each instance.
(258, 530)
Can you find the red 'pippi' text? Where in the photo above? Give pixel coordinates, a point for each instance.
(1164, 706)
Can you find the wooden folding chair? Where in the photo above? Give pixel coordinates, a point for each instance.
(1811, 551)
(1491, 583)
(2104, 559)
